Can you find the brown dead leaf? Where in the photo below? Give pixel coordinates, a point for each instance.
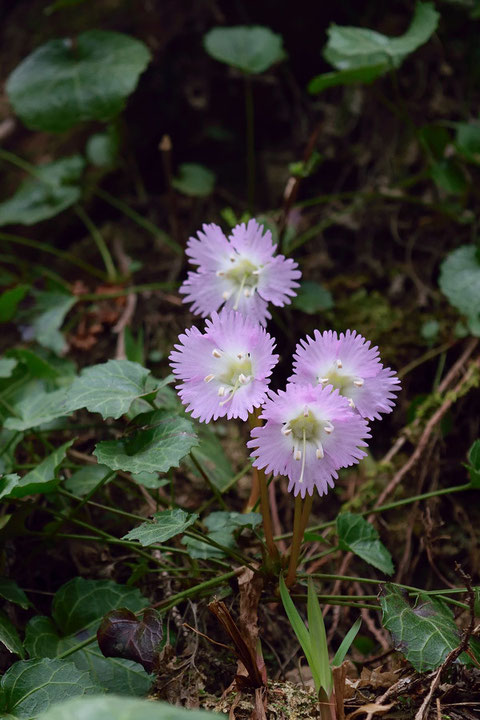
(370, 709)
(339, 680)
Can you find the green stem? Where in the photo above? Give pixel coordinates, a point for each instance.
(143, 222)
(43, 247)
(99, 241)
(23, 165)
(207, 479)
(82, 502)
(325, 706)
(296, 542)
(249, 114)
(266, 516)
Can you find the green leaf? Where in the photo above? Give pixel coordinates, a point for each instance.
(250, 49)
(86, 479)
(10, 298)
(102, 148)
(37, 408)
(312, 298)
(221, 528)
(318, 639)
(109, 388)
(165, 525)
(467, 141)
(212, 458)
(165, 440)
(346, 643)
(350, 48)
(195, 180)
(460, 281)
(73, 80)
(41, 479)
(7, 366)
(78, 609)
(9, 636)
(31, 687)
(116, 708)
(474, 467)
(300, 631)
(47, 317)
(448, 175)
(360, 537)
(364, 75)
(425, 634)
(55, 187)
(10, 591)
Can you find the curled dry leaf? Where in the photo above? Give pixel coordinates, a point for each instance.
(371, 709)
(122, 634)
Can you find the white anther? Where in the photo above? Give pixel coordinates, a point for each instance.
(221, 391)
(207, 378)
(242, 379)
(247, 292)
(323, 381)
(351, 403)
(339, 364)
(220, 273)
(319, 453)
(359, 382)
(329, 428)
(286, 430)
(297, 454)
(216, 353)
(226, 295)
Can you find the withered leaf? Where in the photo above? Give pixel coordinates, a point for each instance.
(122, 634)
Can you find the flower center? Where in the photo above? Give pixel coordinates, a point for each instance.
(233, 373)
(307, 428)
(243, 277)
(344, 382)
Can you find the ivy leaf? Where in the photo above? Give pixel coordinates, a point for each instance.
(350, 48)
(360, 537)
(195, 180)
(84, 480)
(55, 187)
(30, 687)
(460, 282)
(78, 608)
(250, 49)
(108, 707)
(10, 591)
(165, 525)
(122, 634)
(163, 442)
(9, 636)
(41, 479)
(425, 634)
(73, 80)
(36, 408)
(312, 298)
(109, 388)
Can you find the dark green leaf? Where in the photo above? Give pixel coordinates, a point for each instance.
(251, 49)
(10, 591)
(221, 528)
(86, 479)
(55, 187)
(165, 441)
(10, 298)
(360, 537)
(364, 75)
(109, 388)
(212, 458)
(122, 634)
(73, 80)
(312, 298)
(448, 175)
(36, 408)
(425, 634)
(116, 708)
(102, 148)
(9, 636)
(460, 282)
(31, 687)
(47, 317)
(467, 141)
(165, 525)
(41, 479)
(474, 455)
(195, 180)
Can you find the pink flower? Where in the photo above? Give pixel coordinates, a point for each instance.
(349, 364)
(310, 432)
(240, 272)
(225, 370)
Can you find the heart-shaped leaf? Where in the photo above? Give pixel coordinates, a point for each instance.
(122, 634)
(360, 537)
(460, 282)
(251, 49)
(165, 525)
(72, 80)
